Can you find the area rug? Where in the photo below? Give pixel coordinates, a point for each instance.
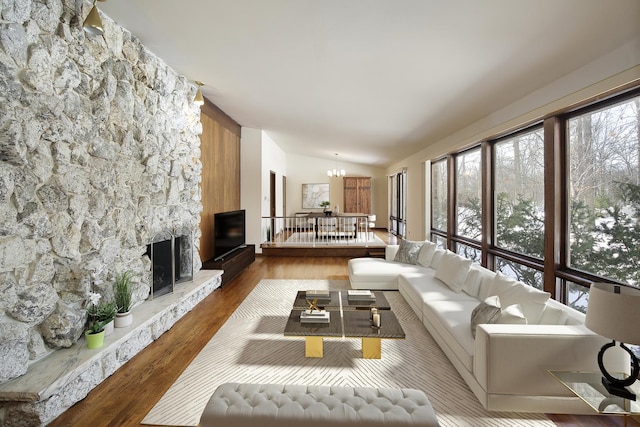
(308, 238)
(250, 348)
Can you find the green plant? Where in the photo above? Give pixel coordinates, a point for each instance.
(325, 204)
(122, 291)
(100, 313)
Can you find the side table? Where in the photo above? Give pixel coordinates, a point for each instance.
(588, 387)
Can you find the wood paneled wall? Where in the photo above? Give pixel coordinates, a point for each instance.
(220, 155)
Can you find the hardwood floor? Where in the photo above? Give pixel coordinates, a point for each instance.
(125, 398)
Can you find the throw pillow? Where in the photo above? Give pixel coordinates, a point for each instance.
(426, 253)
(408, 251)
(553, 316)
(512, 292)
(437, 256)
(487, 311)
(453, 270)
(512, 315)
(478, 278)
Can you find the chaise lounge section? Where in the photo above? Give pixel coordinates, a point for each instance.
(500, 334)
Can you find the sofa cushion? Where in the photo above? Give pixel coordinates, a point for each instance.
(512, 315)
(426, 253)
(478, 282)
(376, 273)
(490, 311)
(408, 252)
(487, 311)
(451, 319)
(453, 270)
(416, 288)
(390, 252)
(512, 292)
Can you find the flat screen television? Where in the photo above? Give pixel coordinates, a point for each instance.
(229, 232)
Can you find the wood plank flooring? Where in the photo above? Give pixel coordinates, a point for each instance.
(125, 398)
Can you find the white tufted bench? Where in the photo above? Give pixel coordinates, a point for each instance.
(271, 405)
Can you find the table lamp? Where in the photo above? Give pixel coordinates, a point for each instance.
(614, 312)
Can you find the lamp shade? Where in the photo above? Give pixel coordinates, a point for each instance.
(614, 312)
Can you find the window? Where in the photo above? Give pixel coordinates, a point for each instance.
(527, 275)
(604, 185)
(439, 195)
(577, 296)
(440, 241)
(469, 252)
(398, 203)
(469, 194)
(519, 193)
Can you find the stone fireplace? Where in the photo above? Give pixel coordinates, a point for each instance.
(99, 153)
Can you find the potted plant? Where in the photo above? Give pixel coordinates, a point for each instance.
(325, 204)
(103, 313)
(122, 292)
(99, 316)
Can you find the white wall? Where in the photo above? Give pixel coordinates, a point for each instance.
(259, 156)
(273, 160)
(618, 68)
(251, 182)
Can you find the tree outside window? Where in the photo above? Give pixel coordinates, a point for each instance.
(605, 192)
(469, 194)
(439, 195)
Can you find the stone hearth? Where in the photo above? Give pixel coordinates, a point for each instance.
(54, 384)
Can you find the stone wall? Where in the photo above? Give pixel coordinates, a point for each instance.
(99, 151)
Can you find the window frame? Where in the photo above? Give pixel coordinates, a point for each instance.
(398, 220)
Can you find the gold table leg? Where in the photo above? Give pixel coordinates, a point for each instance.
(371, 348)
(313, 347)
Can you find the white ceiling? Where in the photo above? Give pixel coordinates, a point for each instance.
(372, 80)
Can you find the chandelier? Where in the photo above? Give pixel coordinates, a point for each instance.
(336, 171)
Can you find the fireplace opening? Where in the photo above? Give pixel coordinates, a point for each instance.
(171, 262)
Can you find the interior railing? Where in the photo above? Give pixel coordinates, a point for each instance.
(317, 229)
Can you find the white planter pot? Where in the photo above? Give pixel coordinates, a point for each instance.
(108, 328)
(123, 320)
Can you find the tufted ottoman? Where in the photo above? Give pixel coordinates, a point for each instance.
(271, 405)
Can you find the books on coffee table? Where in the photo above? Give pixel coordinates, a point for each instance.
(318, 294)
(361, 295)
(314, 316)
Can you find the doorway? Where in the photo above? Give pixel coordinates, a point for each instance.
(272, 204)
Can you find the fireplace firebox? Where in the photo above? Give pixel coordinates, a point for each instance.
(171, 256)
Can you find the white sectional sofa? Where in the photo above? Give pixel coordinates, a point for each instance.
(520, 333)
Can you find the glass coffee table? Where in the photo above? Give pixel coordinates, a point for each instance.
(339, 299)
(380, 302)
(347, 320)
(358, 325)
(313, 333)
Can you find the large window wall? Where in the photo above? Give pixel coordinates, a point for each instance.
(555, 204)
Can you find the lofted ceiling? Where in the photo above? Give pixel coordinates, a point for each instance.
(372, 80)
